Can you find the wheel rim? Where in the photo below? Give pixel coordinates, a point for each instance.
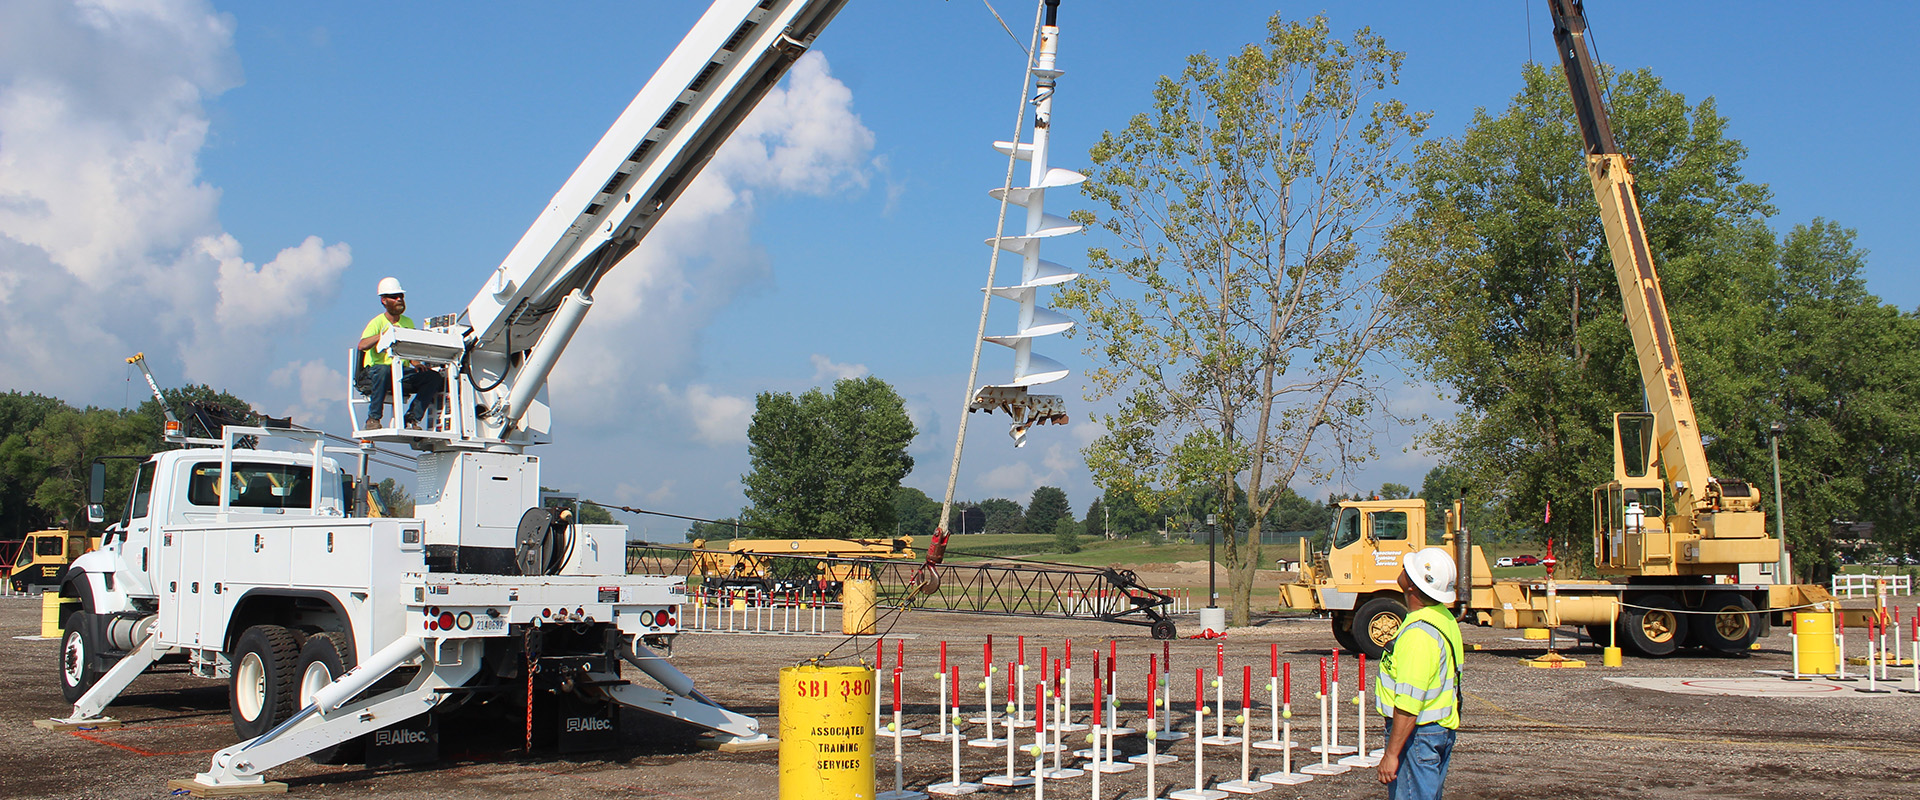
(1658, 625)
(315, 678)
(73, 658)
(250, 686)
(1732, 624)
(1382, 628)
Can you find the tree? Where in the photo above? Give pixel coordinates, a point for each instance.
(1047, 506)
(1066, 535)
(1395, 491)
(1096, 522)
(719, 530)
(1003, 516)
(827, 466)
(915, 513)
(394, 499)
(1236, 315)
(591, 514)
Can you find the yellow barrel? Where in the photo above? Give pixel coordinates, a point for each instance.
(826, 733)
(858, 617)
(53, 608)
(1815, 634)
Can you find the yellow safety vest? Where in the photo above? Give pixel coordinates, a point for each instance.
(372, 356)
(1420, 671)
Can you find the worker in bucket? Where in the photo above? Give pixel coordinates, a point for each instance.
(376, 368)
(1418, 686)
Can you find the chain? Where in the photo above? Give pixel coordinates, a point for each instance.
(527, 645)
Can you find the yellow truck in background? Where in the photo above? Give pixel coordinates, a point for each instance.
(43, 555)
(752, 564)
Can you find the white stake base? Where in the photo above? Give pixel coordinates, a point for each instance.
(1361, 762)
(1245, 787)
(1334, 750)
(1061, 773)
(1324, 769)
(1071, 727)
(1120, 731)
(1197, 794)
(1169, 736)
(1146, 798)
(1112, 768)
(1272, 745)
(951, 789)
(905, 794)
(1285, 778)
(941, 737)
(1157, 758)
(986, 741)
(903, 733)
(1008, 780)
(1214, 741)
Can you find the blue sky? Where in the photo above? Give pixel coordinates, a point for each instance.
(221, 186)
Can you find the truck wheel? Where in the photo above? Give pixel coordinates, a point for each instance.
(1375, 625)
(1343, 632)
(265, 668)
(1602, 635)
(1655, 629)
(1732, 628)
(1163, 628)
(325, 657)
(77, 652)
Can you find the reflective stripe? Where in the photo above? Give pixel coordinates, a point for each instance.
(1438, 704)
(1433, 715)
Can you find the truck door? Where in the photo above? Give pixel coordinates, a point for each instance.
(1391, 533)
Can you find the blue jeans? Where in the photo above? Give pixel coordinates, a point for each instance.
(1423, 764)
(424, 386)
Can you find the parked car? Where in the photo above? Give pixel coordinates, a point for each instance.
(1505, 561)
(1526, 561)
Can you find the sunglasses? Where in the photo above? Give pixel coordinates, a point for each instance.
(393, 296)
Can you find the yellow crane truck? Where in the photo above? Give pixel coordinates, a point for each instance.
(750, 563)
(1684, 553)
(43, 555)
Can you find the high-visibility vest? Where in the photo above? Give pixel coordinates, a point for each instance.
(1420, 672)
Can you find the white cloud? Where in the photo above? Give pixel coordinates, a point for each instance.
(1014, 480)
(826, 370)
(318, 392)
(109, 240)
(803, 138)
(718, 418)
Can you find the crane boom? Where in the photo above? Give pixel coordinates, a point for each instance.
(519, 321)
(1713, 522)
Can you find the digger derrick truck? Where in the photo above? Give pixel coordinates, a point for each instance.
(336, 633)
(1686, 554)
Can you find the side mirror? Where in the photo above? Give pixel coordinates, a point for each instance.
(97, 487)
(96, 513)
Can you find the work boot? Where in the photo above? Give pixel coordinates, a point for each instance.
(372, 423)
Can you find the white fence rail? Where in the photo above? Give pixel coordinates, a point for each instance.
(1869, 585)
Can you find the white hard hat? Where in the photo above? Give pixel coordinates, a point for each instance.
(390, 286)
(1433, 573)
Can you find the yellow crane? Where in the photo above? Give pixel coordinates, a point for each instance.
(1686, 551)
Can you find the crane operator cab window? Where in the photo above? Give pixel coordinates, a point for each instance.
(1388, 525)
(254, 486)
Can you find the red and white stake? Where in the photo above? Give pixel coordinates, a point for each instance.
(1361, 758)
(1153, 757)
(1273, 701)
(1099, 760)
(1066, 723)
(1840, 645)
(896, 730)
(1914, 642)
(1324, 748)
(955, 786)
(899, 775)
(987, 715)
(1039, 748)
(1219, 736)
(941, 709)
(1873, 671)
(1286, 776)
(1246, 784)
(1199, 790)
(1011, 778)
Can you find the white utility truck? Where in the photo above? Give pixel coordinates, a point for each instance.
(336, 631)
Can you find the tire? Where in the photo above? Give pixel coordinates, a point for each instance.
(1343, 633)
(78, 652)
(1733, 627)
(1163, 628)
(1602, 636)
(324, 658)
(1375, 625)
(1655, 630)
(265, 675)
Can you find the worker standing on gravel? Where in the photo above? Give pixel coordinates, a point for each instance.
(1419, 682)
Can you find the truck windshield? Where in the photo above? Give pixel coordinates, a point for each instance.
(142, 493)
(1346, 530)
(252, 486)
(26, 555)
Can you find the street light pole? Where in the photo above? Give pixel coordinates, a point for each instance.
(1774, 432)
(1213, 522)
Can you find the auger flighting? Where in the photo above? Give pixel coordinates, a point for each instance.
(1029, 368)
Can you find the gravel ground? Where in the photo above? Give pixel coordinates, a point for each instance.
(1529, 733)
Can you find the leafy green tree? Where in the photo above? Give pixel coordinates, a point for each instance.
(1047, 506)
(1096, 522)
(1003, 516)
(1395, 491)
(915, 513)
(1125, 517)
(393, 498)
(827, 465)
(1237, 314)
(1066, 535)
(721, 530)
(591, 514)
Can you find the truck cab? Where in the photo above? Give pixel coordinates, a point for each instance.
(43, 555)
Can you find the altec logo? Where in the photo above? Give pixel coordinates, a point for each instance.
(387, 738)
(578, 724)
